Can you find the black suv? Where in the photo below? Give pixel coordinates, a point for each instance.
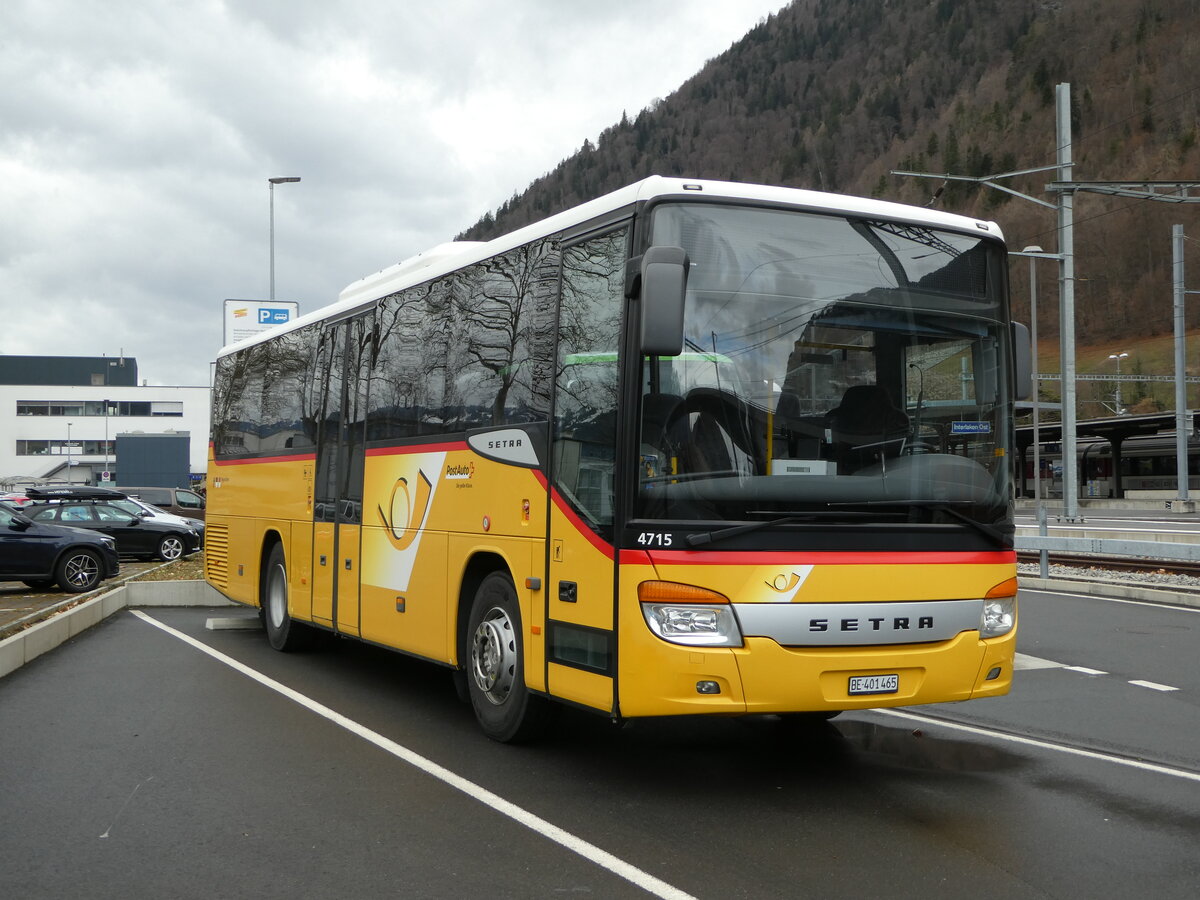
(136, 535)
(41, 554)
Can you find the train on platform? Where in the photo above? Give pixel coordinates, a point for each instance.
(1148, 466)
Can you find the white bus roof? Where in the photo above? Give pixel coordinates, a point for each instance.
(456, 254)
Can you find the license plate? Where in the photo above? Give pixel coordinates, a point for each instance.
(874, 684)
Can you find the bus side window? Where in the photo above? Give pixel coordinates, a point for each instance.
(586, 381)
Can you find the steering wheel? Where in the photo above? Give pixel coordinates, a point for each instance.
(723, 409)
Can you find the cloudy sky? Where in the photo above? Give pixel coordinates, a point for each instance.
(137, 137)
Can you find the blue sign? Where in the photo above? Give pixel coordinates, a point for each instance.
(268, 316)
(970, 427)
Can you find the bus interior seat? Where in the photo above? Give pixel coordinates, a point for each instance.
(866, 427)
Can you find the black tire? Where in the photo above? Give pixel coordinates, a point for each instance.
(506, 710)
(283, 632)
(171, 547)
(79, 570)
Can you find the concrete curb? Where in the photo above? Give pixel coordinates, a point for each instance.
(25, 646)
(1110, 589)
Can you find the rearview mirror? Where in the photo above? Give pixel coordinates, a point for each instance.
(664, 275)
(1022, 361)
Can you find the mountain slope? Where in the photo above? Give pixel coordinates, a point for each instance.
(835, 94)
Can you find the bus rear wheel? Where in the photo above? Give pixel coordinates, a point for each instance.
(283, 632)
(504, 706)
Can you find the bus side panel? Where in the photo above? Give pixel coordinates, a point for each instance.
(239, 492)
(582, 642)
(239, 569)
(325, 569)
(405, 607)
(427, 512)
(299, 563)
(348, 566)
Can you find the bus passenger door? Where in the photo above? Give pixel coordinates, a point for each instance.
(352, 455)
(581, 604)
(331, 358)
(343, 360)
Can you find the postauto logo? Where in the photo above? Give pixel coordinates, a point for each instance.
(270, 316)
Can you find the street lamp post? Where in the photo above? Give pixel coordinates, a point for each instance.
(1117, 396)
(1033, 340)
(69, 479)
(1034, 253)
(106, 468)
(271, 189)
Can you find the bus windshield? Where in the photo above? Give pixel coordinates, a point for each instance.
(833, 368)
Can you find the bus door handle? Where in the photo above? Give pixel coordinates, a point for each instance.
(568, 591)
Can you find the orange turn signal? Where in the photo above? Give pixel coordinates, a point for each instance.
(1007, 588)
(671, 592)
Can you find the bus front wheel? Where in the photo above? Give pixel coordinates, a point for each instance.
(283, 632)
(506, 710)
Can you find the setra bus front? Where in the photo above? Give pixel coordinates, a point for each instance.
(821, 518)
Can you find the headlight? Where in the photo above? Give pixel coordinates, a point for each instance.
(683, 614)
(999, 610)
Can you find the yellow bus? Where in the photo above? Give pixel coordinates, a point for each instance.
(690, 448)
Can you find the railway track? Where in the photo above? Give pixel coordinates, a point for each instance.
(1114, 563)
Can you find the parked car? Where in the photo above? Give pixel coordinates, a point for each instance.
(148, 510)
(177, 501)
(42, 554)
(134, 535)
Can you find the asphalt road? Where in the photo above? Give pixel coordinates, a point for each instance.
(136, 764)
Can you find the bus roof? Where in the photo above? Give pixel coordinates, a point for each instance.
(447, 257)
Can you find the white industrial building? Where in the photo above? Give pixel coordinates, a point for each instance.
(60, 417)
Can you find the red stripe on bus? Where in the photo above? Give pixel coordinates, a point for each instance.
(580, 525)
(821, 558)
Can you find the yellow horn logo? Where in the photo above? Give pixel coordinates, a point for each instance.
(784, 583)
(407, 511)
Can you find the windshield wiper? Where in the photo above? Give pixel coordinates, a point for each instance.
(708, 537)
(988, 531)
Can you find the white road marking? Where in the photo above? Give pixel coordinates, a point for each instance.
(1154, 686)
(1044, 745)
(1149, 603)
(1024, 661)
(590, 852)
(233, 623)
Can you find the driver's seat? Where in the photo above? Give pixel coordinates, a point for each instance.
(866, 427)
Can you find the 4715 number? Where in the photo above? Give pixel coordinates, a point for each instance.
(654, 539)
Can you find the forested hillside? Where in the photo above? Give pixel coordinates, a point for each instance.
(834, 94)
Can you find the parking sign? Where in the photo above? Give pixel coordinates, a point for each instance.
(246, 318)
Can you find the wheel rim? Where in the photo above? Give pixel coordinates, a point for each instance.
(494, 655)
(172, 548)
(82, 570)
(277, 596)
